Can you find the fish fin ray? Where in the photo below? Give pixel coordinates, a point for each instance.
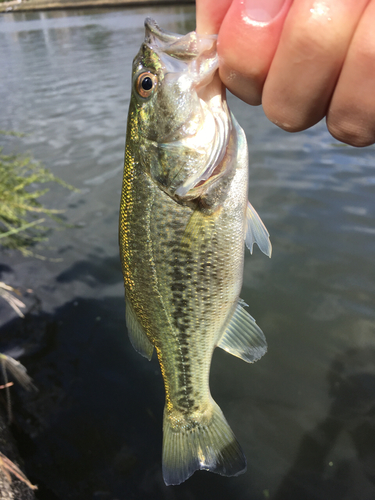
(137, 335)
(243, 337)
(197, 227)
(210, 446)
(256, 232)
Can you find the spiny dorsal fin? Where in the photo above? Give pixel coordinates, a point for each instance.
(136, 333)
(243, 337)
(256, 232)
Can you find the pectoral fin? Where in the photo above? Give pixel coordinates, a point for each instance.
(137, 335)
(199, 228)
(256, 232)
(243, 337)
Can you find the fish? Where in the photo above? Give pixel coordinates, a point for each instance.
(184, 222)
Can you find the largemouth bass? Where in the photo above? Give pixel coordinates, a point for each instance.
(184, 218)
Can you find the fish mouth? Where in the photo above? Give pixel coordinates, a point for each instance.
(154, 32)
(197, 56)
(183, 47)
(198, 50)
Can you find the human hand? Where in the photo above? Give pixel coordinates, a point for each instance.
(303, 60)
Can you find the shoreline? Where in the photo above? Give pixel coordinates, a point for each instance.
(41, 5)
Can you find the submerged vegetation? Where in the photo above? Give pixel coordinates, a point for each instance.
(21, 213)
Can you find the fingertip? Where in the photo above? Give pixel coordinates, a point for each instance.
(246, 46)
(284, 111)
(350, 129)
(351, 114)
(247, 89)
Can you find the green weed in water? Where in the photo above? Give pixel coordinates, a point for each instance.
(21, 214)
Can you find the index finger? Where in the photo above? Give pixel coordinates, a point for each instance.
(210, 15)
(249, 32)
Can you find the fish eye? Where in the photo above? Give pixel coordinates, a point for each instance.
(146, 83)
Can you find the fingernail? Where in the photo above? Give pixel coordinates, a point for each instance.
(263, 11)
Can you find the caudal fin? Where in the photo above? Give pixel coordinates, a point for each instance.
(209, 445)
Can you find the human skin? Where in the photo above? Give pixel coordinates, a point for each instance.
(303, 60)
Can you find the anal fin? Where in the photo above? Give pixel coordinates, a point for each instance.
(137, 335)
(243, 337)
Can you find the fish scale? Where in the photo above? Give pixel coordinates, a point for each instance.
(183, 224)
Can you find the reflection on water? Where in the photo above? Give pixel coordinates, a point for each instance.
(340, 448)
(304, 413)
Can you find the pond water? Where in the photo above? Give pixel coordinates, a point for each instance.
(305, 413)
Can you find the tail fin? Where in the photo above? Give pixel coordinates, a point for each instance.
(209, 445)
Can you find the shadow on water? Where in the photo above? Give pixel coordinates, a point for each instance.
(337, 459)
(105, 271)
(94, 428)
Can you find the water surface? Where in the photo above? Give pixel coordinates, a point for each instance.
(305, 413)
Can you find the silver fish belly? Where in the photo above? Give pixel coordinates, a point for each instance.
(184, 218)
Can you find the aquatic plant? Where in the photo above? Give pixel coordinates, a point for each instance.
(21, 213)
(14, 302)
(7, 467)
(19, 372)
(15, 368)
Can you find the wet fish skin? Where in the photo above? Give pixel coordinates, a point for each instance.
(184, 217)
